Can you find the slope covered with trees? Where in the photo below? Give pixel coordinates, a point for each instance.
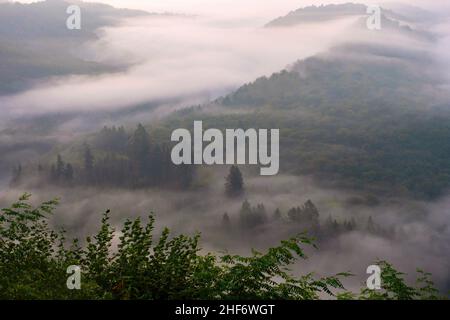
(115, 159)
(361, 116)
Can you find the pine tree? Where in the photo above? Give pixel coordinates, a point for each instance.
(336, 227)
(251, 217)
(311, 213)
(88, 163)
(352, 224)
(245, 214)
(234, 185)
(139, 145)
(139, 155)
(60, 166)
(277, 215)
(226, 223)
(295, 214)
(88, 158)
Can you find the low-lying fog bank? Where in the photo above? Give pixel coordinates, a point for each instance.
(417, 233)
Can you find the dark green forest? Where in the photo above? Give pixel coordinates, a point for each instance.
(380, 127)
(34, 259)
(128, 161)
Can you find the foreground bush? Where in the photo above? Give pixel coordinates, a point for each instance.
(34, 260)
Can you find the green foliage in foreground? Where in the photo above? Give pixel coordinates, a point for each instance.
(34, 260)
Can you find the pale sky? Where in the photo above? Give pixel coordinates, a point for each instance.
(248, 9)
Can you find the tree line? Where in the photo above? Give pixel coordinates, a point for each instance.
(304, 217)
(121, 160)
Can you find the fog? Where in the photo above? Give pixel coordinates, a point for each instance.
(175, 57)
(420, 240)
(178, 61)
(196, 57)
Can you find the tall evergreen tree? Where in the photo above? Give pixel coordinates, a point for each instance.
(234, 185)
(139, 145)
(60, 166)
(226, 223)
(139, 155)
(311, 213)
(245, 214)
(277, 215)
(251, 217)
(88, 158)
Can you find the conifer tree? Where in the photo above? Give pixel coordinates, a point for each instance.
(277, 215)
(234, 185)
(60, 166)
(88, 163)
(226, 223)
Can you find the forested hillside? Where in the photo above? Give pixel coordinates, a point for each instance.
(370, 115)
(362, 116)
(115, 159)
(382, 127)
